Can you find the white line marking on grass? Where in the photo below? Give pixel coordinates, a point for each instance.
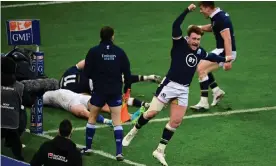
(81, 128)
(99, 152)
(37, 4)
(185, 117)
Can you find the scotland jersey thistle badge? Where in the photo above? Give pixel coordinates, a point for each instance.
(198, 51)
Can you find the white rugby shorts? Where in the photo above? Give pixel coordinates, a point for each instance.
(220, 52)
(169, 91)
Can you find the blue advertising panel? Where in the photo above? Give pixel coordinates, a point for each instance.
(23, 32)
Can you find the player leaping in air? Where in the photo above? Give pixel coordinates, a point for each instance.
(186, 53)
(223, 30)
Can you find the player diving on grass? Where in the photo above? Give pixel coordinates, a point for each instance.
(76, 103)
(186, 53)
(73, 102)
(223, 30)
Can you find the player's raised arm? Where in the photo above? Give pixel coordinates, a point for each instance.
(216, 58)
(204, 28)
(176, 29)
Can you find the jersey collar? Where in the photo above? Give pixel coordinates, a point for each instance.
(215, 12)
(106, 42)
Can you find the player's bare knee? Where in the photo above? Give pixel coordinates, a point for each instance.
(115, 111)
(150, 114)
(201, 70)
(116, 115)
(201, 73)
(175, 123)
(92, 117)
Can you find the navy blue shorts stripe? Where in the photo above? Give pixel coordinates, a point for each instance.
(161, 86)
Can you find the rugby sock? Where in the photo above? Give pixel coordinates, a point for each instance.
(149, 78)
(166, 137)
(146, 78)
(212, 83)
(118, 135)
(204, 84)
(136, 103)
(135, 78)
(141, 122)
(130, 101)
(100, 119)
(141, 78)
(90, 131)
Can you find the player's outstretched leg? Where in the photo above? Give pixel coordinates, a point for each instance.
(101, 119)
(203, 69)
(140, 78)
(143, 120)
(137, 103)
(159, 153)
(177, 114)
(218, 94)
(152, 111)
(153, 78)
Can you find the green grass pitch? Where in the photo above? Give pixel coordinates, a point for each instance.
(143, 29)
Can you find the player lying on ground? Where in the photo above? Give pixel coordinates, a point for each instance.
(75, 103)
(174, 89)
(74, 79)
(72, 102)
(223, 30)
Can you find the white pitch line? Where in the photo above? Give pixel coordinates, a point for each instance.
(37, 4)
(99, 152)
(185, 117)
(80, 128)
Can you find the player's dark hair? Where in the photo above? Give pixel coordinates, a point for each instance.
(107, 33)
(65, 128)
(195, 29)
(210, 4)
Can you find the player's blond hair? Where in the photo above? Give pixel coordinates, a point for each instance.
(195, 29)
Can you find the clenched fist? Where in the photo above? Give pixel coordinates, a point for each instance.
(192, 7)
